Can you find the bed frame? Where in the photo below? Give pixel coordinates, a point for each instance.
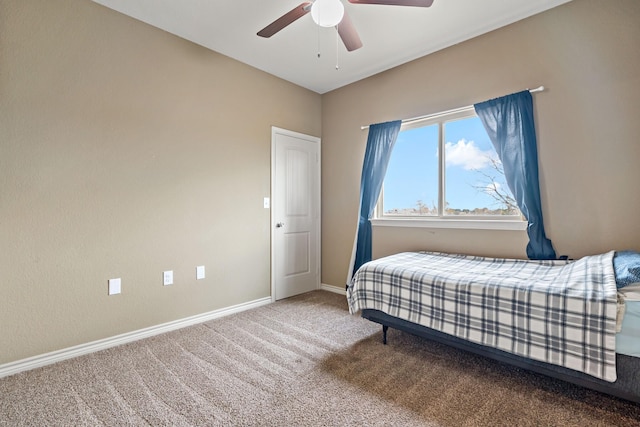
(627, 386)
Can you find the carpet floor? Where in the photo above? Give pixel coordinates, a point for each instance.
(303, 361)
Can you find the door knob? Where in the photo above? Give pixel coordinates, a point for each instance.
(280, 224)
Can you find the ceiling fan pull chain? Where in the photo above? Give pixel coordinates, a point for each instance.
(337, 48)
(318, 41)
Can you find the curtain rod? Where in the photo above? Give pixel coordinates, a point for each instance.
(455, 110)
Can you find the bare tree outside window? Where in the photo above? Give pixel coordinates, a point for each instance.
(492, 187)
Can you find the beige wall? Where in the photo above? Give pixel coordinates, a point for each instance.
(586, 54)
(126, 151)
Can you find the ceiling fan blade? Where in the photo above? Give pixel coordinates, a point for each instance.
(286, 19)
(348, 33)
(415, 3)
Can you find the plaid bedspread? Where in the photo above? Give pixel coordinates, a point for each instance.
(559, 312)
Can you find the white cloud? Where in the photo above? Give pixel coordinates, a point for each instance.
(466, 154)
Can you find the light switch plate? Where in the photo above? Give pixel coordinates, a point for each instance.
(167, 278)
(115, 286)
(200, 272)
(267, 203)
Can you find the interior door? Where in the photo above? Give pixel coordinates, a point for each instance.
(295, 214)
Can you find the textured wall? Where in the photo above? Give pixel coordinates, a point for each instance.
(586, 54)
(126, 151)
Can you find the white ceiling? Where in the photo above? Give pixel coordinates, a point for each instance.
(391, 35)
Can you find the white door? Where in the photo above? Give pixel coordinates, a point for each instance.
(295, 213)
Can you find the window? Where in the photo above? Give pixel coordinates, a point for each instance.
(446, 168)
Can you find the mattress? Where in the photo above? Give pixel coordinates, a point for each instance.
(628, 339)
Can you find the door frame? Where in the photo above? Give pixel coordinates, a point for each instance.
(314, 140)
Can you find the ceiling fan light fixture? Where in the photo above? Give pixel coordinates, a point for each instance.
(327, 13)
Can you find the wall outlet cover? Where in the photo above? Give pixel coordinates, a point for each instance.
(115, 286)
(200, 272)
(167, 278)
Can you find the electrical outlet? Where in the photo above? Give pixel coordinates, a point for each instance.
(167, 278)
(115, 286)
(267, 203)
(200, 272)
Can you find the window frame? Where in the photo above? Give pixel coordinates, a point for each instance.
(441, 220)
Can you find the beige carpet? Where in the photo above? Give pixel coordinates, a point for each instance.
(303, 361)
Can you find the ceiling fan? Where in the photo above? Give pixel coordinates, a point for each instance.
(331, 13)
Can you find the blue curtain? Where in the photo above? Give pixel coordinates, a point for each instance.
(509, 123)
(382, 137)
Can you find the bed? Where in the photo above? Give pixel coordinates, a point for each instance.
(576, 320)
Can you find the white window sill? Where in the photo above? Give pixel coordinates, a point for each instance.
(469, 224)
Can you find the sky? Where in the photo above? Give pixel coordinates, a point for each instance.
(412, 174)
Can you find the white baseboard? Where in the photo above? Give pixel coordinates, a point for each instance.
(334, 289)
(82, 349)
